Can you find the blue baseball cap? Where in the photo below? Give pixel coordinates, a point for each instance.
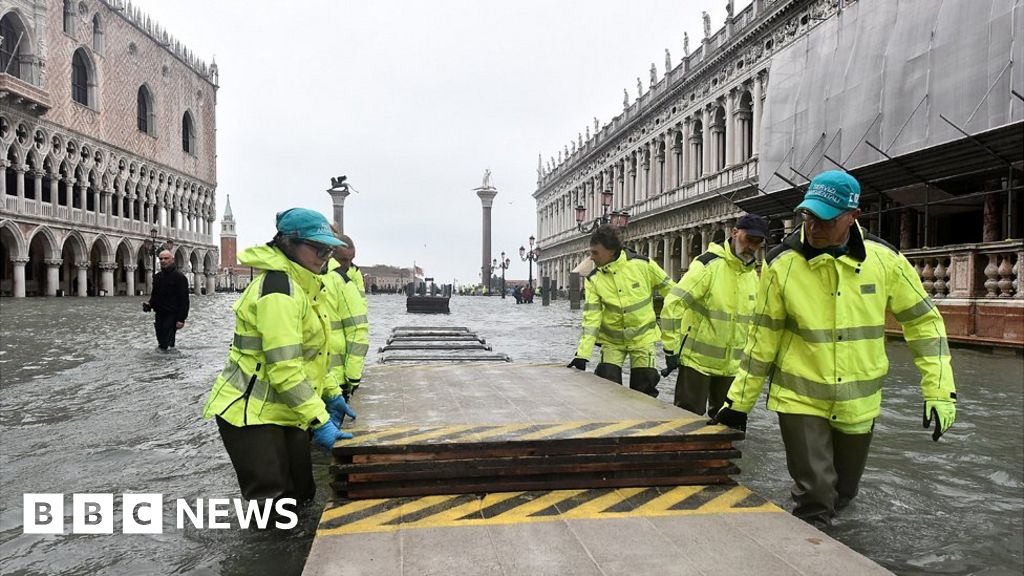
(830, 194)
(306, 224)
(753, 225)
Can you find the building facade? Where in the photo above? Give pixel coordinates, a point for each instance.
(788, 88)
(107, 149)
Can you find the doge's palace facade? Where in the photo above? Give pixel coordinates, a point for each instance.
(681, 153)
(107, 148)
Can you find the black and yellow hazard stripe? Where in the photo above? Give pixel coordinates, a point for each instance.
(390, 514)
(469, 433)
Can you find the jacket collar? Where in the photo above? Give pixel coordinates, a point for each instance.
(857, 252)
(614, 264)
(725, 250)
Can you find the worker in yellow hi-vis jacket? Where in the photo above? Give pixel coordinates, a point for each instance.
(818, 338)
(349, 324)
(276, 387)
(619, 312)
(705, 318)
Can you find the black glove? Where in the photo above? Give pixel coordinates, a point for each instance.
(146, 307)
(577, 363)
(671, 362)
(731, 418)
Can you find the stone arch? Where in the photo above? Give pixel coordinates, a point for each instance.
(106, 251)
(12, 237)
(77, 244)
(210, 263)
(19, 43)
(50, 243)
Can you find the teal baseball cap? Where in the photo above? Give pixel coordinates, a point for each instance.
(830, 194)
(306, 224)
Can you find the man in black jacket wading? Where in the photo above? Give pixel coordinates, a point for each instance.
(169, 301)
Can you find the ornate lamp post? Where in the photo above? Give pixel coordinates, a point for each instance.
(618, 219)
(504, 266)
(532, 256)
(153, 247)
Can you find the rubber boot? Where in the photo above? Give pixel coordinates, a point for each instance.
(609, 372)
(645, 380)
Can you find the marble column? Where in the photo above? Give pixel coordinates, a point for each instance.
(19, 276)
(54, 191)
(705, 237)
(211, 284)
(149, 280)
(52, 275)
(707, 144)
(107, 277)
(669, 264)
(19, 186)
(684, 252)
(730, 132)
(756, 114)
(37, 187)
(129, 279)
(82, 278)
(486, 195)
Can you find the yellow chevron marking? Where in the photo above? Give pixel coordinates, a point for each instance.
(348, 508)
(436, 433)
(666, 427)
(376, 523)
(361, 438)
(593, 509)
(661, 503)
(549, 431)
(478, 436)
(613, 427)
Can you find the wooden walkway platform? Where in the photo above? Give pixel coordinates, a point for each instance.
(666, 529)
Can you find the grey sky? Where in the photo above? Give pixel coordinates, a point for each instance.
(413, 100)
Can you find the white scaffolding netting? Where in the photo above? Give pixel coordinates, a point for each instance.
(882, 72)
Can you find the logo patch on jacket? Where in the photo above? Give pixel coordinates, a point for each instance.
(752, 297)
(867, 288)
(636, 284)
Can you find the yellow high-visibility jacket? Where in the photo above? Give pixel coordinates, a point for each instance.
(357, 277)
(708, 312)
(349, 330)
(818, 334)
(277, 367)
(619, 307)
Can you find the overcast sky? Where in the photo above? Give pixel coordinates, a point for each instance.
(412, 100)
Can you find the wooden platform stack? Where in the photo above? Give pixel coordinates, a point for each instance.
(437, 344)
(501, 448)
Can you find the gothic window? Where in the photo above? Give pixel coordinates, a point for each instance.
(145, 119)
(69, 17)
(12, 45)
(188, 137)
(82, 79)
(97, 34)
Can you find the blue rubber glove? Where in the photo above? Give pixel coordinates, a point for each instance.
(326, 434)
(338, 408)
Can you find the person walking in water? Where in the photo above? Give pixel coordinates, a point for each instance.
(169, 301)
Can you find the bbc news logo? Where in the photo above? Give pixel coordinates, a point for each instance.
(144, 513)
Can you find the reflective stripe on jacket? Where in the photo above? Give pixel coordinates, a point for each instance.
(619, 307)
(818, 334)
(277, 366)
(709, 311)
(350, 340)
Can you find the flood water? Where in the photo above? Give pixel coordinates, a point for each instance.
(87, 405)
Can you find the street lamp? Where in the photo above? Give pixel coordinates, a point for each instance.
(155, 251)
(504, 266)
(618, 219)
(532, 256)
